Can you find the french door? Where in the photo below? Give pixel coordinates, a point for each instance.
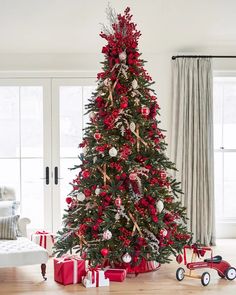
(41, 123)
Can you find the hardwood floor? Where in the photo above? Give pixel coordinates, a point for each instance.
(27, 280)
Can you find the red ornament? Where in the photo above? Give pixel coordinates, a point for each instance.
(179, 258)
(124, 105)
(85, 174)
(97, 135)
(68, 200)
(118, 202)
(145, 111)
(104, 252)
(133, 176)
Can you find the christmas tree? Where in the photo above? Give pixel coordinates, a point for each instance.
(124, 204)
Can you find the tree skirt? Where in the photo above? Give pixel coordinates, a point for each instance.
(144, 266)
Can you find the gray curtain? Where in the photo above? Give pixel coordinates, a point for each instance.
(192, 143)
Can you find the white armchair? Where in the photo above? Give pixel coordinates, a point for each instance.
(14, 253)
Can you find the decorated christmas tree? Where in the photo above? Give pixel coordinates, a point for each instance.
(124, 204)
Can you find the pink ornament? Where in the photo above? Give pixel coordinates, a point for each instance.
(118, 202)
(97, 135)
(133, 176)
(145, 111)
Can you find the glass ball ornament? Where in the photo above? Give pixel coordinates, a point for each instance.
(104, 252)
(145, 111)
(133, 176)
(113, 152)
(126, 258)
(97, 191)
(68, 200)
(97, 135)
(163, 232)
(85, 174)
(107, 235)
(118, 202)
(92, 115)
(81, 197)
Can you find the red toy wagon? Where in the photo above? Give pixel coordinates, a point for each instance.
(224, 269)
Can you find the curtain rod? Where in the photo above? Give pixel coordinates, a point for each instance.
(206, 56)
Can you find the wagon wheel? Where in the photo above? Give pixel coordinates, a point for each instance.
(205, 279)
(230, 273)
(180, 274)
(221, 275)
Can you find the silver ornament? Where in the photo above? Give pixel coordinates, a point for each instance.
(81, 197)
(113, 152)
(107, 235)
(132, 126)
(97, 191)
(159, 206)
(126, 258)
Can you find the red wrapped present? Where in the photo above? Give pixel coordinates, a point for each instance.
(115, 274)
(69, 270)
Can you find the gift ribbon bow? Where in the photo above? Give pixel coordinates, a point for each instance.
(94, 275)
(43, 238)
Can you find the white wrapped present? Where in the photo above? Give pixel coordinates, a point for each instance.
(95, 278)
(45, 240)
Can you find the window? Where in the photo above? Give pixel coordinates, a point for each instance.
(41, 126)
(224, 98)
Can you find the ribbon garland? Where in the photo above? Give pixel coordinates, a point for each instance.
(139, 139)
(104, 173)
(135, 225)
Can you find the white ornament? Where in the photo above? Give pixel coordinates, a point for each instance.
(81, 197)
(113, 152)
(92, 115)
(85, 150)
(126, 258)
(97, 191)
(159, 206)
(134, 84)
(95, 159)
(122, 56)
(107, 235)
(164, 232)
(132, 126)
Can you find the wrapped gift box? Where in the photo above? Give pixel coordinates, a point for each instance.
(45, 240)
(69, 270)
(116, 275)
(95, 278)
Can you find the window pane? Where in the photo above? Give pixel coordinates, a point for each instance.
(31, 121)
(229, 116)
(71, 120)
(218, 112)
(67, 177)
(87, 94)
(218, 165)
(10, 179)
(9, 121)
(32, 191)
(229, 185)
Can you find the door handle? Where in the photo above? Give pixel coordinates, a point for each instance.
(46, 175)
(56, 178)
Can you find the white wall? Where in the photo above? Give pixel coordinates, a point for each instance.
(63, 35)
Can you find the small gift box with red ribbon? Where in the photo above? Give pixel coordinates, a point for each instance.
(44, 239)
(116, 274)
(95, 278)
(69, 269)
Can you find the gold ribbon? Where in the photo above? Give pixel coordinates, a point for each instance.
(139, 139)
(104, 173)
(135, 225)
